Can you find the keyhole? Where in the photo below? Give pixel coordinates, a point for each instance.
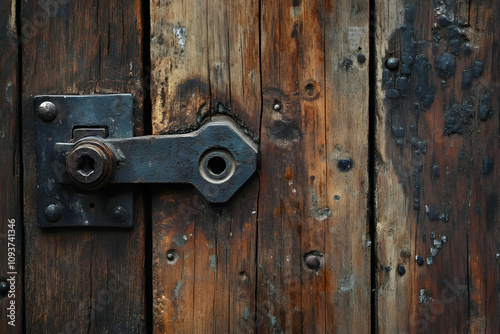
(85, 165)
(216, 165)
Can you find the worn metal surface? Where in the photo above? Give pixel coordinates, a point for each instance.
(78, 207)
(217, 159)
(80, 179)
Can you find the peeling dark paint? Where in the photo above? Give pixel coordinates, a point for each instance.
(416, 190)
(436, 172)
(419, 147)
(477, 68)
(445, 65)
(484, 109)
(486, 165)
(432, 212)
(457, 117)
(467, 77)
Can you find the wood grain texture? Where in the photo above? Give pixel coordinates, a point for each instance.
(314, 168)
(10, 172)
(205, 61)
(436, 171)
(81, 280)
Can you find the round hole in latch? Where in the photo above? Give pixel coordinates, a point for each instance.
(216, 165)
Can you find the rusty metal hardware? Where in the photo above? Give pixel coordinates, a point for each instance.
(86, 155)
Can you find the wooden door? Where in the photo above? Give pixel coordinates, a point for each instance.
(375, 205)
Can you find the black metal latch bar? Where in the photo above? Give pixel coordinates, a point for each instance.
(86, 155)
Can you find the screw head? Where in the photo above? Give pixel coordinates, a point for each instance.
(361, 58)
(420, 261)
(47, 111)
(120, 214)
(401, 270)
(313, 261)
(170, 256)
(4, 287)
(53, 213)
(392, 63)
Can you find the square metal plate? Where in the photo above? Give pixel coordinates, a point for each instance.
(64, 205)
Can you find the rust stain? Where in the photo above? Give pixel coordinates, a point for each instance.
(288, 173)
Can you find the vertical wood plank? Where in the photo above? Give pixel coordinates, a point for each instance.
(11, 270)
(348, 240)
(81, 280)
(313, 170)
(436, 175)
(205, 62)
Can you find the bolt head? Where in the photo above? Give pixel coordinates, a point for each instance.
(120, 214)
(170, 257)
(4, 287)
(91, 164)
(401, 270)
(392, 63)
(53, 213)
(277, 107)
(47, 111)
(361, 58)
(313, 261)
(420, 261)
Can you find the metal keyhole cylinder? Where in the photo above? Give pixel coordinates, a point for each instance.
(91, 164)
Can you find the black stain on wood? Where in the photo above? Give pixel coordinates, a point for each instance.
(492, 201)
(347, 64)
(283, 133)
(345, 165)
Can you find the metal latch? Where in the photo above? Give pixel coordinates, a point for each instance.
(86, 156)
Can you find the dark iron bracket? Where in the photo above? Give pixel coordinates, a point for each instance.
(86, 156)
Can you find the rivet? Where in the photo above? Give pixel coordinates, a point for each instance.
(420, 261)
(277, 105)
(392, 63)
(47, 111)
(172, 256)
(313, 261)
(119, 214)
(4, 287)
(53, 213)
(361, 58)
(401, 270)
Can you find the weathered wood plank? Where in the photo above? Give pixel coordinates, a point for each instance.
(205, 61)
(436, 174)
(212, 273)
(81, 280)
(314, 173)
(11, 302)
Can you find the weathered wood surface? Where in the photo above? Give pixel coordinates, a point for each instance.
(81, 280)
(437, 172)
(240, 267)
(205, 60)
(10, 173)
